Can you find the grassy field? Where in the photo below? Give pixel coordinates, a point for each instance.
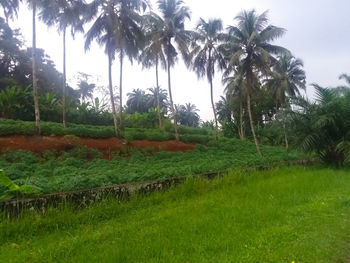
(282, 215)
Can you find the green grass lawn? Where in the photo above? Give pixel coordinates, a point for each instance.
(282, 215)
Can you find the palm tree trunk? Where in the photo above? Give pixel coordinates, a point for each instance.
(214, 111)
(249, 87)
(34, 73)
(241, 129)
(284, 127)
(158, 102)
(211, 94)
(112, 95)
(171, 102)
(64, 80)
(285, 136)
(121, 92)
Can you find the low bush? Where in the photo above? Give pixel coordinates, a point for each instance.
(82, 168)
(16, 127)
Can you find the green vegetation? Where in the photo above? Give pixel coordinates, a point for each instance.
(83, 168)
(14, 190)
(187, 134)
(282, 215)
(326, 121)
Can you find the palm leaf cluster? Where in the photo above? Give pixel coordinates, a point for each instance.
(324, 125)
(142, 102)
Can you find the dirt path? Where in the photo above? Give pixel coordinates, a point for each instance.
(39, 144)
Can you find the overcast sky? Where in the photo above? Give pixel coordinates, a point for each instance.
(318, 32)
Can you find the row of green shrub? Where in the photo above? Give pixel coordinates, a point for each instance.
(187, 134)
(82, 168)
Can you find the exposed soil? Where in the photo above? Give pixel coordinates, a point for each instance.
(39, 144)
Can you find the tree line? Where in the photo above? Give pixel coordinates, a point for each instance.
(262, 80)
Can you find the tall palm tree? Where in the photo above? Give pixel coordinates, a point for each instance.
(207, 56)
(287, 79)
(172, 31)
(34, 5)
(129, 36)
(64, 14)
(10, 8)
(118, 28)
(249, 44)
(153, 55)
(103, 30)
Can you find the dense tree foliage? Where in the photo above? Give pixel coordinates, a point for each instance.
(263, 82)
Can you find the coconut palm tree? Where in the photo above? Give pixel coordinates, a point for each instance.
(129, 36)
(10, 8)
(287, 79)
(118, 28)
(64, 14)
(206, 55)
(173, 38)
(35, 5)
(153, 55)
(103, 30)
(249, 44)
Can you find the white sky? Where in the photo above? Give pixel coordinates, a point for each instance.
(318, 32)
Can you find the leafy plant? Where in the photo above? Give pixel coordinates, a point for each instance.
(15, 191)
(324, 126)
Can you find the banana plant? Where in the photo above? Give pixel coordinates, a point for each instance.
(15, 191)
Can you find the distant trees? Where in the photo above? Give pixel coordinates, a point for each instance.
(158, 98)
(137, 101)
(85, 88)
(188, 115)
(142, 102)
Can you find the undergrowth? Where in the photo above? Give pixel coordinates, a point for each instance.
(83, 168)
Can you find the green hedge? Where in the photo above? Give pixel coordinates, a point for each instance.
(187, 134)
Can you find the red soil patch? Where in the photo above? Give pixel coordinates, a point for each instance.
(39, 144)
